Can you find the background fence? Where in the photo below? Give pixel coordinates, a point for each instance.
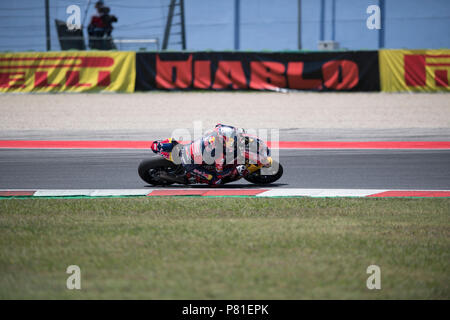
(242, 25)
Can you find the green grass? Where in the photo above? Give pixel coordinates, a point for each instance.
(225, 248)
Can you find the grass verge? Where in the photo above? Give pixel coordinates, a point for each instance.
(225, 248)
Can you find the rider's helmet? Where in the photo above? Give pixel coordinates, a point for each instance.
(231, 135)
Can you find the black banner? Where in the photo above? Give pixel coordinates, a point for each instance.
(317, 71)
(227, 309)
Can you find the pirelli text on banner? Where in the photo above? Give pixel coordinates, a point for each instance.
(321, 71)
(74, 71)
(415, 70)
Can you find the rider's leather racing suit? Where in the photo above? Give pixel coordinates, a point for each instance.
(204, 159)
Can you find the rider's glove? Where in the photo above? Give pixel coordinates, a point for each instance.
(156, 146)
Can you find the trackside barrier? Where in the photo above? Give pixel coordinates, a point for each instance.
(114, 71)
(414, 70)
(68, 71)
(318, 71)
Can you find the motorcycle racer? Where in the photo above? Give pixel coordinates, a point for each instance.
(204, 159)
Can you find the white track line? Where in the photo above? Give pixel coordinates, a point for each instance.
(92, 192)
(320, 192)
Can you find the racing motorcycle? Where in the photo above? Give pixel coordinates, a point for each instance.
(160, 171)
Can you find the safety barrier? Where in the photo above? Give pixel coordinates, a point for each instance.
(320, 71)
(98, 71)
(68, 71)
(414, 70)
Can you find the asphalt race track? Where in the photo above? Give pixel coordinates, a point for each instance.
(117, 169)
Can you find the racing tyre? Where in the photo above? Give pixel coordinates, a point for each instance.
(149, 166)
(258, 178)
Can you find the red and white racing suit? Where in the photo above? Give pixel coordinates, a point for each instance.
(205, 158)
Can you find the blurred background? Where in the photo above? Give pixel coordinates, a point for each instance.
(234, 24)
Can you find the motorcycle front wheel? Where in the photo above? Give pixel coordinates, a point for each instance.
(258, 178)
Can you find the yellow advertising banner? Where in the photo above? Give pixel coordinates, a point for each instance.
(68, 71)
(414, 70)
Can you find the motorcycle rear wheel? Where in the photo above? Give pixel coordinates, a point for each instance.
(155, 163)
